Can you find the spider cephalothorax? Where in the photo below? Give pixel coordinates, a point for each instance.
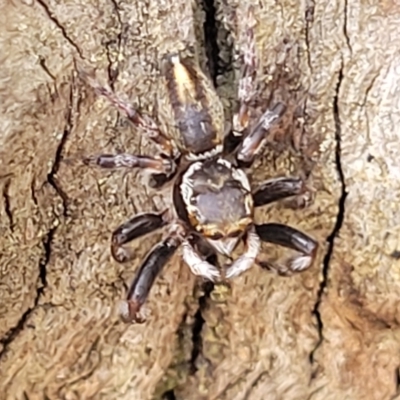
(217, 198)
(218, 205)
(213, 198)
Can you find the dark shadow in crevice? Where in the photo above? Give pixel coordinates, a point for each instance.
(339, 218)
(198, 324)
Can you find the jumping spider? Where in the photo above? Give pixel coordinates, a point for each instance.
(213, 198)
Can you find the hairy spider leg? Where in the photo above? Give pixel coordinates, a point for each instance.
(150, 268)
(247, 80)
(138, 226)
(163, 167)
(291, 238)
(254, 141)
(124, 160)
(246, 85)
(145, 122)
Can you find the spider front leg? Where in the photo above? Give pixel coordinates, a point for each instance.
(151, 267)
(147, 124)
(124, 160)
(162, 169)
(136, 227)
(253, 142)
(291, 238)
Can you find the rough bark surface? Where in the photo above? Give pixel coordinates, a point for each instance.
(329, 333)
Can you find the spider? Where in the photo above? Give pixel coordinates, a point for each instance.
(212, 195)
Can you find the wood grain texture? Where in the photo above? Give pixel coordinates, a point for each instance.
(329, 333)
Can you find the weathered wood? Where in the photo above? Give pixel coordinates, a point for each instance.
(329, 333)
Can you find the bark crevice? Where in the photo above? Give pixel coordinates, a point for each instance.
(210, 28)
(113, 61)
(309, 19)
(51, 176)
(7, 204)
(339, 217)
(47, 240)
(51, 16)
(198, 325)
(13, 332)
(345, 31)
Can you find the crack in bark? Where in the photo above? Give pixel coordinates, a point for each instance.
(51, 176)
(339, 218)
(345, 33)
(13, 332)
(60, 26)
(198, 325)
(395, 254)
(42, 63)
(33, 194)
(189, 364)
(179, 360)
(169, 395)
(397, 382)
(309, 18)
(211, 29)
(7, 204)
(254, 384)
(111, 70)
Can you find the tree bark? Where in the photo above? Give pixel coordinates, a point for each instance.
(331, 332)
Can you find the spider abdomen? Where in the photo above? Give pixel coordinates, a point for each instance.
(197, 109)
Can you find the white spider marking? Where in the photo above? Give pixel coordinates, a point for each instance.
(245, 89)
(269, 118)
(197, 265)
(204, 156)
(175, 59)
(187, 183)
(301, 263)
(237, 126)
(237, 174)
(247, 144)
(141, 316)
(225, 163)
(256, 140)
(224, 246)
(240, 176)
(246, 260)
